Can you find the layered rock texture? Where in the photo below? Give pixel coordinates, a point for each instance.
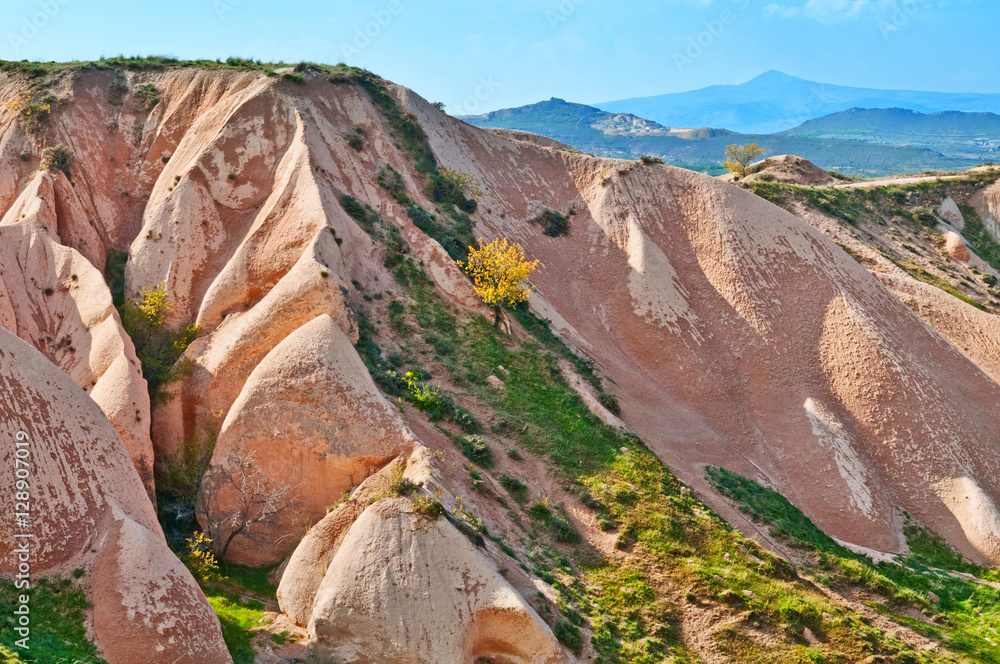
(53, 296)
(377, 555)
(734, 332)
(89, 511)
(311, 414)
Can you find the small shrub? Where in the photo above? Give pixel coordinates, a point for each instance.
(515, 487)
(59, 157)
(563, 530)
(648, 160)
(200, 560)
(355, 141)
(437, 404)
(989, 280)
(610, 402)
(476, 479)
(442, 346)
(148, 94)
(33, 112)
(117, 90)
(540, 511)
(395, 485)
(363, 214)
(391, 180)
(553, 224)
(476, 449)
(455, 187)
(428, 507)
(465, 420)
(569, 635)
(158, 348)
(294, 77)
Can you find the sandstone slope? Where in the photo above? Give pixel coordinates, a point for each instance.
(739, 336)
(89, 511)
(53, 297)
(733, 333)
(313, 418)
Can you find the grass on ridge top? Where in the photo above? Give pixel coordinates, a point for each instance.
(885, 205)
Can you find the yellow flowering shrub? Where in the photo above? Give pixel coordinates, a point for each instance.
(33, 112)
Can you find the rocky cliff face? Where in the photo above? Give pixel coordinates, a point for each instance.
(88, 511)
(734, 335)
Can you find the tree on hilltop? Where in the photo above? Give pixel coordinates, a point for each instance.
(738, 157)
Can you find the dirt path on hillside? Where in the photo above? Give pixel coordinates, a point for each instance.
(868, 184)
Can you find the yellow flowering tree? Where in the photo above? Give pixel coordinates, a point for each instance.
(499, 272)
(738, 157)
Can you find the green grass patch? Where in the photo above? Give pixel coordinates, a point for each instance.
(57, 612)
(923, 275)
(982, 242)
(237, 617)
(961, 613)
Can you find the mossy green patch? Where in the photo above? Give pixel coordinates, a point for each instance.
(963, 614)
(57, 613)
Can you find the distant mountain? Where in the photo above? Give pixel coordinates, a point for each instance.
(570, 122)
(774, 102)
(875, 121)
(628, 136)
(954, 133)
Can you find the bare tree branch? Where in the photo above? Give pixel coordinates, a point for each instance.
(238, 500)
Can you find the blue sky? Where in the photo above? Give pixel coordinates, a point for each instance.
(479, 55)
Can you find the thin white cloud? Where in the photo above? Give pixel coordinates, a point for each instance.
(835, 9)
(830, 11)
(774, 9)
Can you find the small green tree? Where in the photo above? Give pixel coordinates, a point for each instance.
(738, 157)
(158, 348)
(57, 157)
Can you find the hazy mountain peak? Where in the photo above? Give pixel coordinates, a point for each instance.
(775, 101)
